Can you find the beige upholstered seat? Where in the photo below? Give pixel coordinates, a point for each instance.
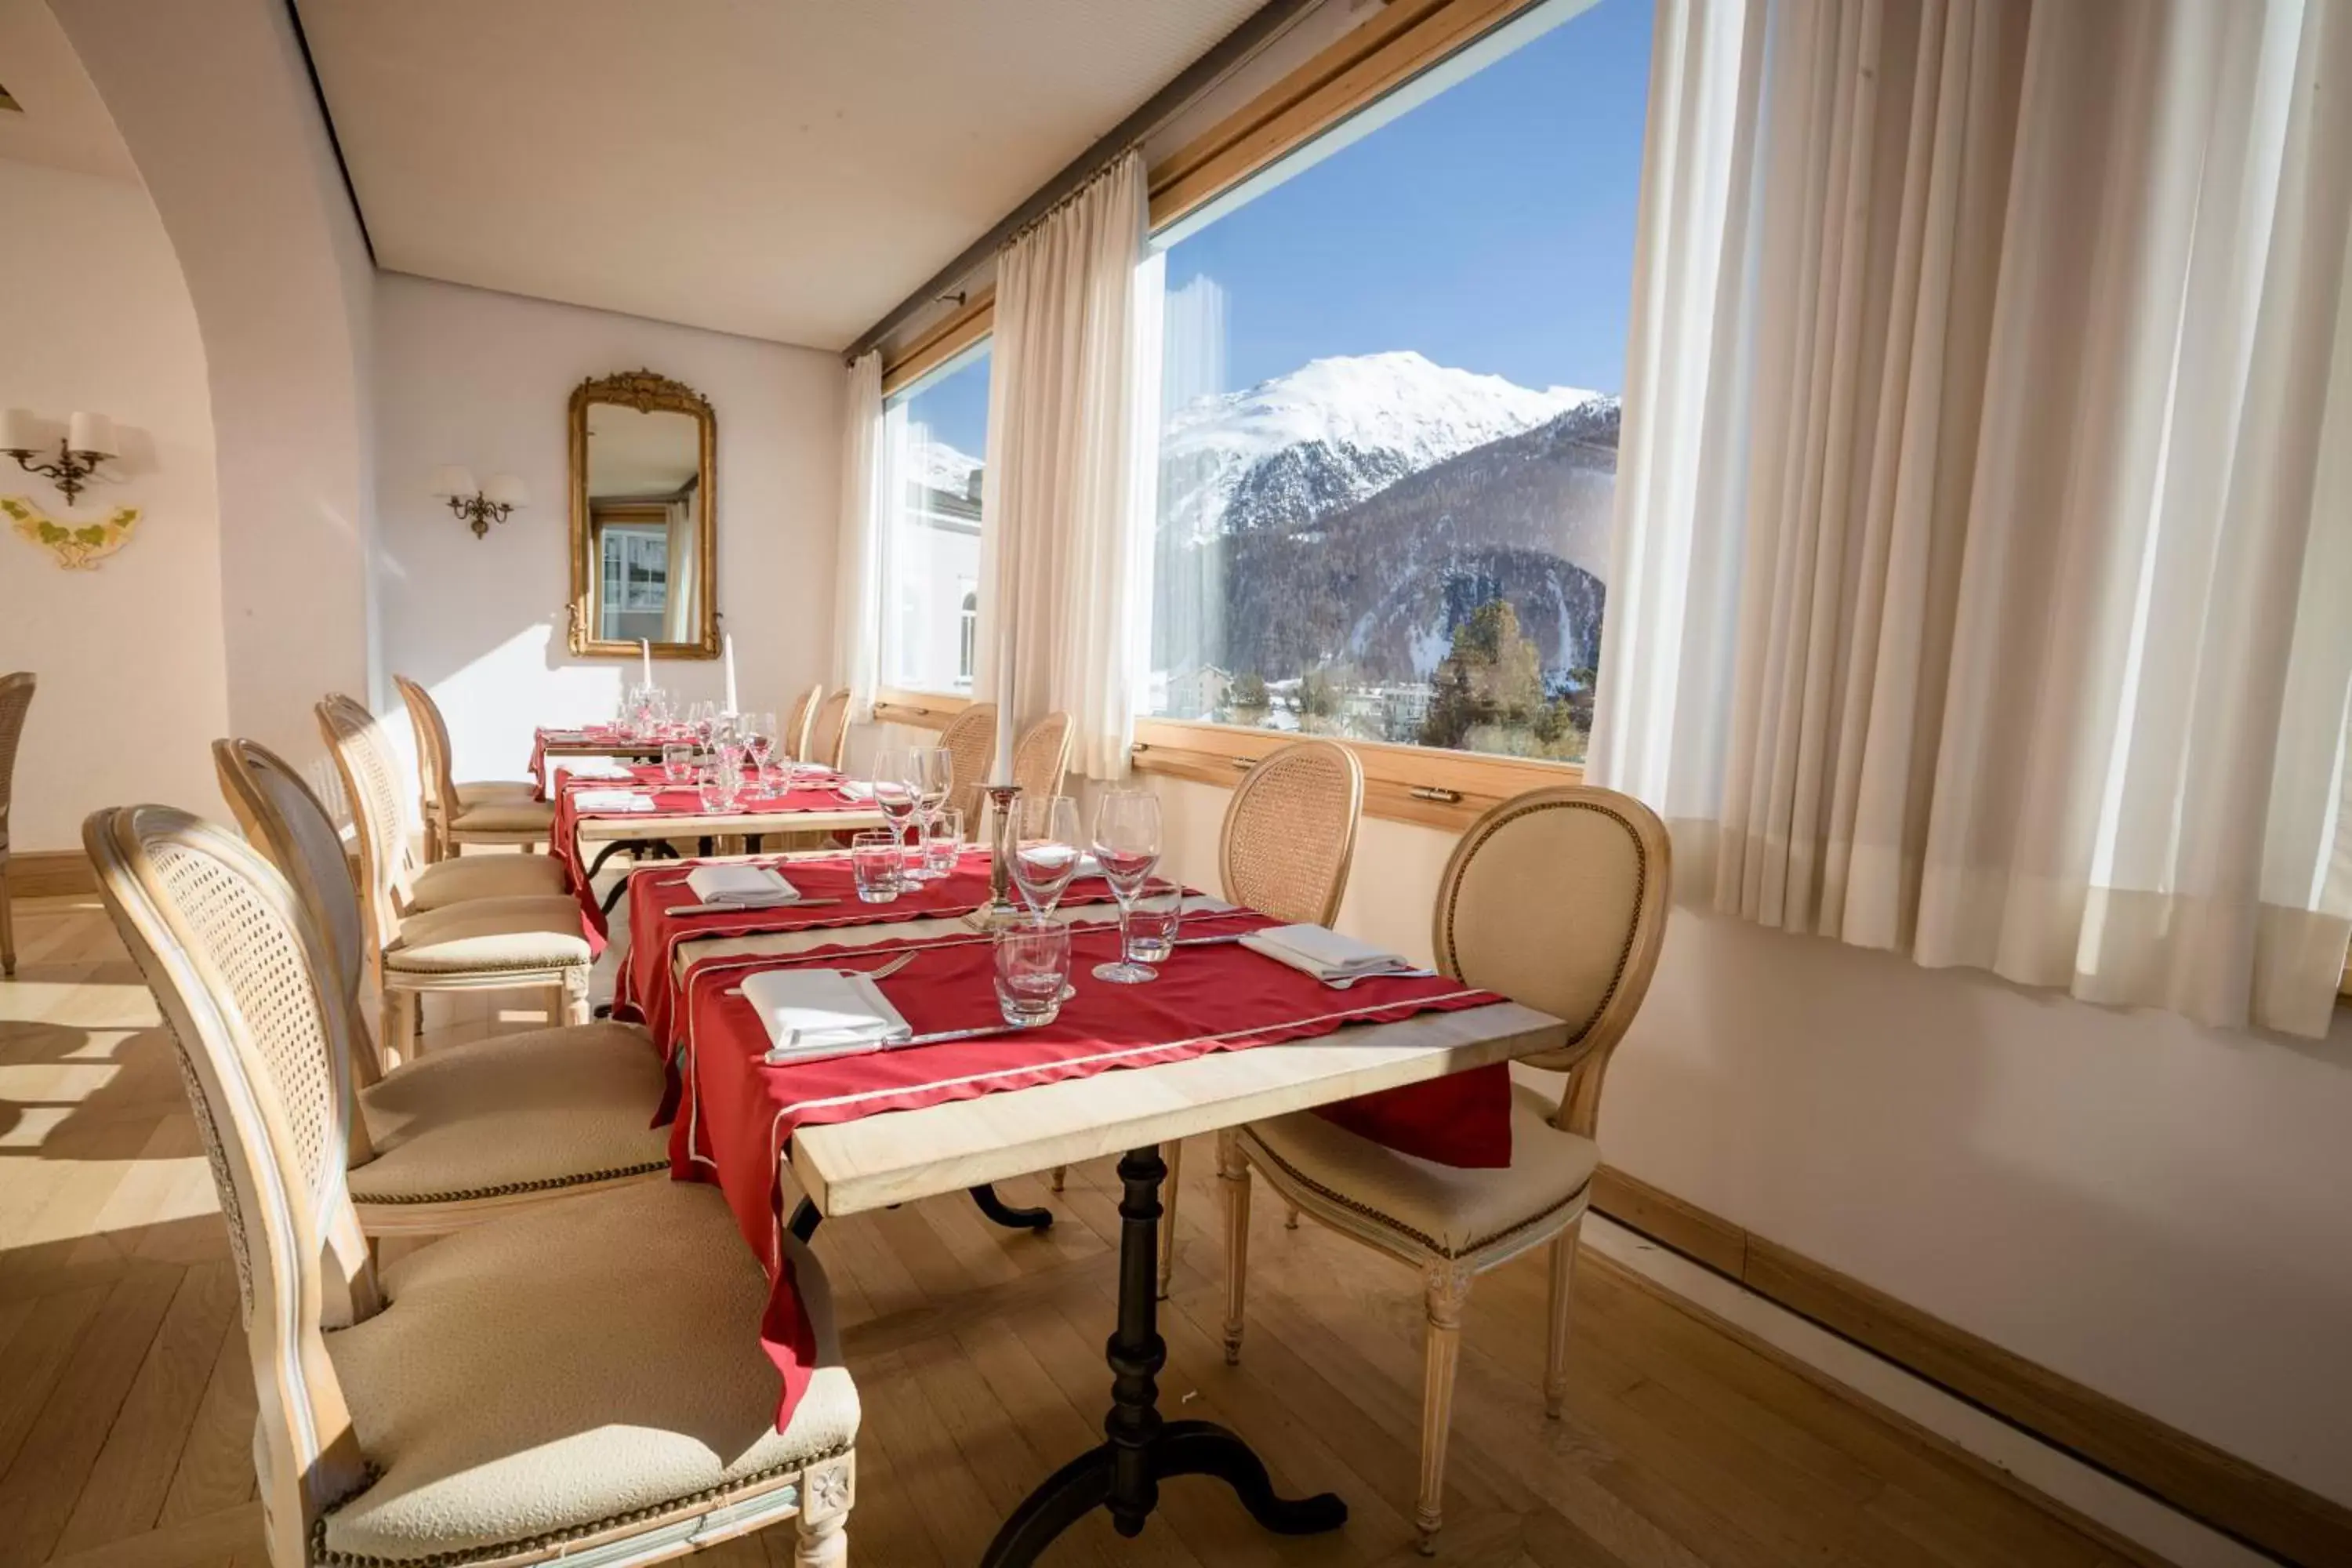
(474, 1131)
(484, 876)
(1556, 899)
(1288, 841)
(794, 739)
(456, 815)
(829, 729)
(971, 739)
(15, 698)
(488, 945)
(638, 1402)
(581, 1381)
(1041, 757)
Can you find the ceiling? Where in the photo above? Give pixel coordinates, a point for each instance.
(785, 169)
(63, 124)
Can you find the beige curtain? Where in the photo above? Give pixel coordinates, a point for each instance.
(681, 619)
(857, 567)
(1071, 419)
(1984, 529)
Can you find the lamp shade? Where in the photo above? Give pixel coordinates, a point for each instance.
(454, 482)
(505, 490)
(92, 433)
(19, 431)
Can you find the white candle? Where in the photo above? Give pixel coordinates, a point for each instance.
(645, 652)
(1002, 771)
(728, 648)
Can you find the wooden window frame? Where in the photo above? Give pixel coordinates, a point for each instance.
(917, 709)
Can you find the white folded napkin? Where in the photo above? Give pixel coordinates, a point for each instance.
(814, 1012)
(598, 768)
(611, 800)
(748, 887)
(1321, 953)
(854, 789)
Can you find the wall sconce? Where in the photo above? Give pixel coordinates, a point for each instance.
(480, 505)
(88, 441)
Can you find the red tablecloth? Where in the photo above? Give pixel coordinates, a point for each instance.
(739, 1113)
(668, 803)
(645, 986)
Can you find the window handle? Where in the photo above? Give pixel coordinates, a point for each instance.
(1437, 793)
(1244, 763)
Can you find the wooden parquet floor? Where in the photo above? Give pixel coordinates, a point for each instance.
(126, 1402)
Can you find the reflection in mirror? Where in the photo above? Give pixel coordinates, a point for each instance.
(643, 517)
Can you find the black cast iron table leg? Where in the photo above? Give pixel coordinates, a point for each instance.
(1125, 1473)
(1005, 1214)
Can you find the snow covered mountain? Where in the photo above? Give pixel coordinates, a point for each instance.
(1331, 433)
(938, 465)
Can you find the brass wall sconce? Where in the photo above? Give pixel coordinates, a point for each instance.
(478, 506)
(88, 441)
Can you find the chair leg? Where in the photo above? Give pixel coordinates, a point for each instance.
(1445, 1289)
(1060, 1172)
(397, 1042)
(1173, 1153)
(1563, 1278)
(7, 924)
(574, 992)
(828, 1491)
(1232, 1172)
(1290, 1217)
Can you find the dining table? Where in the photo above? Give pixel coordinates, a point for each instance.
(606, 741)
(1224, 1037)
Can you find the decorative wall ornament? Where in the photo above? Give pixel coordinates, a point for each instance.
(79, 547)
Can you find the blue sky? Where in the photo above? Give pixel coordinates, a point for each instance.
(1491, 228)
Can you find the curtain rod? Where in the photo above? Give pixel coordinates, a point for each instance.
(1262, 27)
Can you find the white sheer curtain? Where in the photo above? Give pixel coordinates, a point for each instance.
(1984, 530)
(682, 570)
(864, 493)
(1072, 407)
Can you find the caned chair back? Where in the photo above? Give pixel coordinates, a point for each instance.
(16, 700)
(795, 738)
(969, 738)
(363, 760)
(436, 785)
(1290, 832)
(1041, 757)
(829, 730)
(243, 980)
(280, 818)
(1557, 898)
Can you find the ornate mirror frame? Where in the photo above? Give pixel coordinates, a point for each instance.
(647, 393)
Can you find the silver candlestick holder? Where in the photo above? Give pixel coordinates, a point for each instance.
(1005, 835)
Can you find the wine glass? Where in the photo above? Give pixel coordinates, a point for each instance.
(760, 737)
(893, 797)
(1045, 851)
(931, 774)
(1127, 843)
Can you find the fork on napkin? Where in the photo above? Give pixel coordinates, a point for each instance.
(1337, 961)
(812, 1014)
(742, 886)
(611, 800)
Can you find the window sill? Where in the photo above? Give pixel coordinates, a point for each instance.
(1448, 790)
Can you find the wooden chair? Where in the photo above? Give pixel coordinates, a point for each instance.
(969, 738)
(495, 943)
(15, 698)
(1556, 899)
(1041, 757)
(475, 1131)
(577, 1383)
(829, 729)
(795, 738)
(456, 815)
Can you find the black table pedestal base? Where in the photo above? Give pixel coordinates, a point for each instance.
(1125, 1473)
(805, 1219)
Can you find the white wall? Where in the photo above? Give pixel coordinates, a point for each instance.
(2157, 1211)
(471, 377)
(132, 683)
(218, 114)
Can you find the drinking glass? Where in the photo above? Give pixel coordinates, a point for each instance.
(876, 863)
(1127, 842)
(1033, 971)
(760, 737)
(1045, 851)
(930, 772)
(893, 797)
(677, 763)
(942, 841)
(702, 718)
(1151, 922)
(717, 786)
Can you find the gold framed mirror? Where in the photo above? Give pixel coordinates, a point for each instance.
(645, 527)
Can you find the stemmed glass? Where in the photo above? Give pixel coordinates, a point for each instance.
(931, 774)
(1127, 843)
(703, 720)
(894, 797)
(1045, 851)
(758, 732)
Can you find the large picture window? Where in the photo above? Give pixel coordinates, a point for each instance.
(937, 434)
(1389, 407)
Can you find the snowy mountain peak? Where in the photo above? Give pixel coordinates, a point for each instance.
(1384, 415)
